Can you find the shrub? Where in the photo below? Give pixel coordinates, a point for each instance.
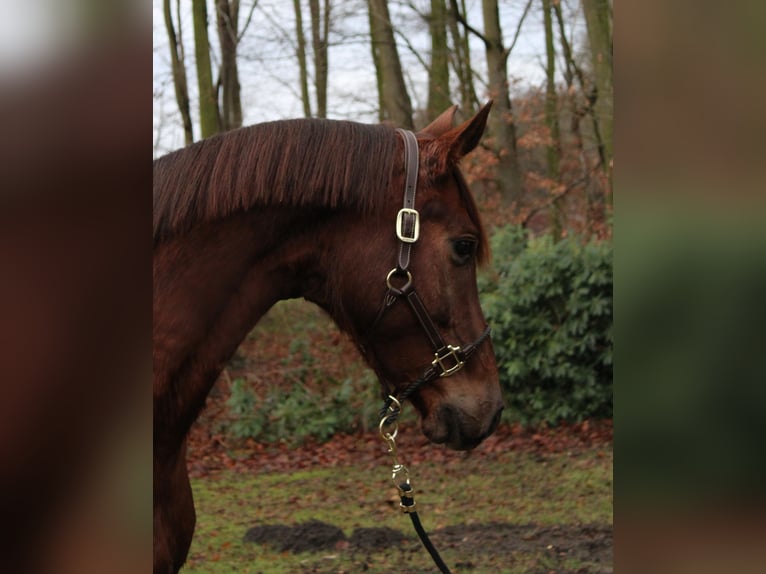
(295, 412)
(550, 308)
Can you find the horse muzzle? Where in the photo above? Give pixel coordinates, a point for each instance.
(458, 429)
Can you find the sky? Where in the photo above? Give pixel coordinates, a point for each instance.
(269, 70)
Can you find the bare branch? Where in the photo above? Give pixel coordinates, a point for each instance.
(425, 16)
(411, 48)
(247, 21)
(461, 18)
(179, 70)
(567, 49)
(518, 30)
(555, 197)
(182, 53)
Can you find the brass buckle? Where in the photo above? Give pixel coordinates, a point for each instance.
(439, 360)
(400, 225)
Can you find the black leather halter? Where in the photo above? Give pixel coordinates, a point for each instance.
(448, 359)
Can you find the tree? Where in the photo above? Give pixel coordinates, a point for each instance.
(501, 122)
(461, 60)
(320, 27)
(595, 207)
(394, 101)
(551, 97)
(551, 116)
(178, 66)
(220, 104)
(300, 51)
(438, 72)
(208, 102)
(501, 125)
(598, 20)
(227, 12)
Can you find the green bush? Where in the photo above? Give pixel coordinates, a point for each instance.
(550, 308)
(294, 413)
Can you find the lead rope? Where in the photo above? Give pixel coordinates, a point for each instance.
(400, 476)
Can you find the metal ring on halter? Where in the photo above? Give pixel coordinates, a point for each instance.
(384, 431)
(393, 404)
(386, 423)
(397, 271)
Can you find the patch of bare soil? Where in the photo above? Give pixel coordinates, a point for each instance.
(585, 543)
(591, 544)
(311, 536)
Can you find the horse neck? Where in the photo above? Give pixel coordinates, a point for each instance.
(211, 286)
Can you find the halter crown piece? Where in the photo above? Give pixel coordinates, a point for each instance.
(448, 359)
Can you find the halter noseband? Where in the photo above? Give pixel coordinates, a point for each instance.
(448, 359)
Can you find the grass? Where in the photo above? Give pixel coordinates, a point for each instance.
(561, 489)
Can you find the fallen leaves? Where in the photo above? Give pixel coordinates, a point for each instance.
(206, 453)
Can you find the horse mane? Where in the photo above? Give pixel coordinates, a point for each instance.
(303, 162)
(299, 162)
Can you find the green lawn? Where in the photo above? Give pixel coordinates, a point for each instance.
(556, 494)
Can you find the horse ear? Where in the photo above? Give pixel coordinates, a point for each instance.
(451, 146)
(442, 124)
(463, 139)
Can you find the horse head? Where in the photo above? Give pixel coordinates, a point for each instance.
(408, 294)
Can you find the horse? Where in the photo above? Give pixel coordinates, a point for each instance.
(318, 209)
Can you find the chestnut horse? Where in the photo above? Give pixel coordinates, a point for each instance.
(313, 209)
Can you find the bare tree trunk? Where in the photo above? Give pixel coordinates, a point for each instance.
(179, 72)
(598, 20)
(461, 60)
(208, 103)
(501, 122)
(320, 25)
(228, 24)
(551, 97)
(301, 54)
(394, 101)
(438, 73)
(595, 207)
(551, 118)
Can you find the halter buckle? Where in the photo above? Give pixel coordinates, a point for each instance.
(439, 360)
(400, 233)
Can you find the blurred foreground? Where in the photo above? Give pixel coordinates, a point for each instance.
(75, 293)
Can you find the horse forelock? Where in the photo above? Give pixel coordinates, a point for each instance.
(313, 163)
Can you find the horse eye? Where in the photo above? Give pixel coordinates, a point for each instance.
(464, 249)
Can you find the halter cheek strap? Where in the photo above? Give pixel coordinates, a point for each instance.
(448, 359)
(408, 219)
